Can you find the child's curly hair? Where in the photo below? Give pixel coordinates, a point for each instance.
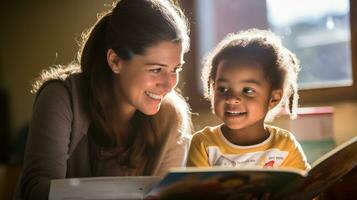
(280, 66)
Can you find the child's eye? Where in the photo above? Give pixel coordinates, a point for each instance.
(222, 90)
(248, 91)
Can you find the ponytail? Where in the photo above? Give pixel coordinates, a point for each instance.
(293, 69)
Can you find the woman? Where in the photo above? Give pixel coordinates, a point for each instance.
(113, 112)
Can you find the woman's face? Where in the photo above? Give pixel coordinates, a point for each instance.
(143, 82)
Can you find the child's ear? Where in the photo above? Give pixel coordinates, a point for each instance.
(114, 61)
(275, 98)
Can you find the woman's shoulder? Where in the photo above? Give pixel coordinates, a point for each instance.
(58, 93)
(56, 73)
(52, 88)
(69, 91)
(72, 83)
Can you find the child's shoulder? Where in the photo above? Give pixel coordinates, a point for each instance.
(280, 133)
(207, 132)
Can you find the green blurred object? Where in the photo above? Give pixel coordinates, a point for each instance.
(315, 149)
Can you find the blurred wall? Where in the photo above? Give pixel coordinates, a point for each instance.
(34, 35)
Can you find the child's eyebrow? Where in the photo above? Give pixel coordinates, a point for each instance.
(252, 81)
(221, 80)
(256, 82)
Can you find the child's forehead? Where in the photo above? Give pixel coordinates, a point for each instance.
(240, 72)
(238, 63)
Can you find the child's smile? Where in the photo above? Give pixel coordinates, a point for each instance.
(235, 113)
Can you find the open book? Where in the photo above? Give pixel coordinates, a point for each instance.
(223, 183)
(102, 188)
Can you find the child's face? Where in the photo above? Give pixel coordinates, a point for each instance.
(242, 95)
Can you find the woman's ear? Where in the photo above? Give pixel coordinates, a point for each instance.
(114, 61)
(275, 98)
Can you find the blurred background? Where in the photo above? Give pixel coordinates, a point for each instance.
(39, 33)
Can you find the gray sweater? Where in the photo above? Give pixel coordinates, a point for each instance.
(57, 145)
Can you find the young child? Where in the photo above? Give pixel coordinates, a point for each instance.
(248, 77)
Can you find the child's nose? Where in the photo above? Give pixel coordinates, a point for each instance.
(233, 99)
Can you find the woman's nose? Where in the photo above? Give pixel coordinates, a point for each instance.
(169, 81)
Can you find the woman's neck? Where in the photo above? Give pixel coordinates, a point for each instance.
(124, 117)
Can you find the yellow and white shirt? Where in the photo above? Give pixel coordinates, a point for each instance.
(209, 147)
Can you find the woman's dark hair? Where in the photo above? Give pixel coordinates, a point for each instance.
(130, 28)
(254, 46)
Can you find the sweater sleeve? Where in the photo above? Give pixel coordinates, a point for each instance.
(175, 153)
(48, 142)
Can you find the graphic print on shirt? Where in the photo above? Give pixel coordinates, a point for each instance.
(269, 158)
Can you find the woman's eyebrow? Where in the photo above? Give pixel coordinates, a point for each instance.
(163, 65)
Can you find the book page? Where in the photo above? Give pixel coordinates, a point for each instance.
(329, 169)
(222, 183)
(103, 188)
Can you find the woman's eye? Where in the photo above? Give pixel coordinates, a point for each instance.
(178, 69)
(156, 70)
(248, 91)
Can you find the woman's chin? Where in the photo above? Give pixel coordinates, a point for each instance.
(151, 111)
